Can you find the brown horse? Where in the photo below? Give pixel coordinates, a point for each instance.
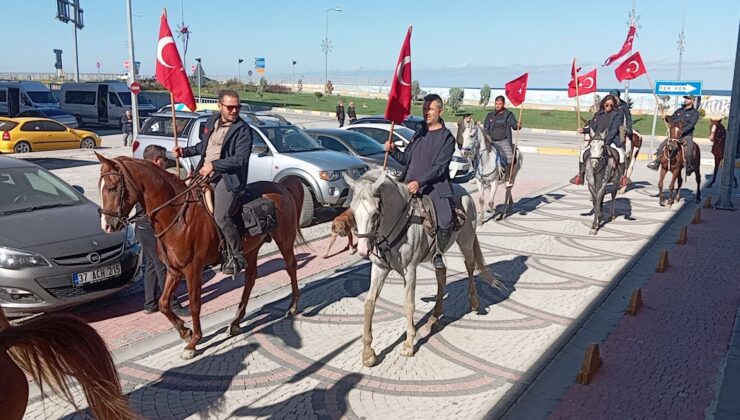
(52, 348)
(717, 135)
(672, 160)
(632, 150)
(188, 236)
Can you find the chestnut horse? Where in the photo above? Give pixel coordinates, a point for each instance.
(51, 348)
(717, 135)
(188, 236)
(672, 160)
(632, 150)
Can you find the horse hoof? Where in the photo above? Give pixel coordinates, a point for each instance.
(291, 312)
(474, 305)
(406, 351)
(353, 251)
(368, 358)
(187, 354)
(432, 323)
(234, 329)
(592, 232)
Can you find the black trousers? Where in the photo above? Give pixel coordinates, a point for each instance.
(223, 204)
(155, 271)
(443, 208)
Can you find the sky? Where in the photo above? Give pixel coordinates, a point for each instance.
(454, 43)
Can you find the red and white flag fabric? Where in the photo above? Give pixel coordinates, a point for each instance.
(586, 84)
(399, 100)
(626, 47)
(516, 90)
(631, 68)
(169, 70)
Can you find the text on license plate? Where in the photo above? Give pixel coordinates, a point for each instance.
(96, 275)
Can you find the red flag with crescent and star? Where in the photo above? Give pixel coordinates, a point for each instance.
(631, 68)
(169, 70)
(586, 84)
(516, 90)
(399, 100)
(626, 47)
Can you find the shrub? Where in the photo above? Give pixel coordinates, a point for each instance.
(415, 90)
(485, 95)
(319, 95)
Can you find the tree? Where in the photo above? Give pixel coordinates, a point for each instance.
(455, 99)
(319, 95)
(262, 86)
(329, 87)
(300, 85)
(485, 95)
(415, 90)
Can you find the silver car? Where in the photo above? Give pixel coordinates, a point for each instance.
(53, 253)
(55, 114)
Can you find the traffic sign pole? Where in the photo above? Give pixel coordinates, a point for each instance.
(132, 72)
(733, 130)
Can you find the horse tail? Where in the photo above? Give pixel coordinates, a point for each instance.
(485, 273)
(54, 347)
(294, 185)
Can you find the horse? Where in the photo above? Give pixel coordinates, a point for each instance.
(488, 171)
(599, 173)
(390, 231)
(672, 160)
(51, 349)
(632, 147)
(717, 135)
(188, 235)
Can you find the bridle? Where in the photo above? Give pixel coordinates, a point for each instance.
(119, 214)
(381, 244)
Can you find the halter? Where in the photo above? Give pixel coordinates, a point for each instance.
(380, 244)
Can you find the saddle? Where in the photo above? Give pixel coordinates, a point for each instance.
(424, 207)
(255, 215)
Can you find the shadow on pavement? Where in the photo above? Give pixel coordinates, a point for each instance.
(528, 204)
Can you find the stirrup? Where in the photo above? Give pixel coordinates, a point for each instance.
(577, 180)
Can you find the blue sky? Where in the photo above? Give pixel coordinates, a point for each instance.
(461, 42)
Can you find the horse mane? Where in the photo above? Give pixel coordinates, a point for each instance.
(177, 184)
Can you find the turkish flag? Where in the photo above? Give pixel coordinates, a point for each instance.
(516, 90)
(586, 84)
(399, 100)
(626, 47)
(169, 70)
(631, 68)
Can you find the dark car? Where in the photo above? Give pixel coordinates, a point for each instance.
(355, 144)
(412, 121)
(53, 253)
(55, 114)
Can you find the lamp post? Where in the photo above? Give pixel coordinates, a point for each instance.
(240, 68)
(198, 71)
(293, 77)
(326, 45)
(132, 71)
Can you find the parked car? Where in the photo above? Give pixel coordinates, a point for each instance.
(278, 150)
(55, 114)
(23, 135)
(459, 167)
(102, 103)
(413, 122)
(18, 96)
(53, 254)
(356, 144)
(180, 107)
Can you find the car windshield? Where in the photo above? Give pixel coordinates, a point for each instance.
(362, 144)
(404, 132)
(42, 97)
(290, 139)
(32, 188)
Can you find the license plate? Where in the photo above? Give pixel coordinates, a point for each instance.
(94, 276)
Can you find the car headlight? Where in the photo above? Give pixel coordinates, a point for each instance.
(14, 259)
(330, 175)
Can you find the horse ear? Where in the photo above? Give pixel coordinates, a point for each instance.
(378, 182)
(603, 133)
(105, 161)
(593, 133)
(348, 179)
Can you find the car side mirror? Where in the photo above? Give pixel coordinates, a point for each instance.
(261, 150)
(399, 143)
(79, 189)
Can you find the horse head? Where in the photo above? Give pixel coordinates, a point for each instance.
(597, 145)
(716, 129)
(365, 207)
(674, 134)
(117, 199)
(471, 140)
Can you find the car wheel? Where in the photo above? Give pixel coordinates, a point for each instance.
(87, 143)
(22, 147)
(307, 209)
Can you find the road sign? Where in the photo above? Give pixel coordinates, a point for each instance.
(126, 64)
(135, 88)
(192, 69)
(678, 87)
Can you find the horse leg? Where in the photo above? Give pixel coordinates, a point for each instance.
(472, 289)
(661, 199)
(508, 201)
(717, 160)
(698, 182)
(410, 306)
(377, 279)
(438, 303)
(614, 204)
(491, 202)
(481, 201)
(193, 277)
(250, 277)
(291, 266)
(170, 283)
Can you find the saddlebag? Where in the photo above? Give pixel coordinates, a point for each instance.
(259, 217)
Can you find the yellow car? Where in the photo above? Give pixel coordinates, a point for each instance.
(23, 135)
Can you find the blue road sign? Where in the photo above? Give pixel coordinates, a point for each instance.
(678, 87)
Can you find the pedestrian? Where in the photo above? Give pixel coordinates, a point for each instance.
(606, 120)
(351, 113)
(499, 125)
(155, 271)
(340, 112)
(127, 124)
(427, 159)
(690, 116)
(224, 159)
(465, 122)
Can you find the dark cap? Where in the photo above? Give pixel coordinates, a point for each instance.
(614, 92)
(692, 97)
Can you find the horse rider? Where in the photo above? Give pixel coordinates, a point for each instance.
(427, 159)
(690, 116)
(625, 128)
(607, 119)
(499, 125)
(465, 122)
(224, 157)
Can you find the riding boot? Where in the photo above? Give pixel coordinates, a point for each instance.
(689, 166)
(443, 238)
(578, 179)
(235, 261)
(655, 164)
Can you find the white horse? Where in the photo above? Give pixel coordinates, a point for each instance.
(390, 232)
(477, 146)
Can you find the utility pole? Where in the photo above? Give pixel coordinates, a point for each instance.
(327, 45)
(132, 70)
(632, 22)
(239, 64)
(681, 45)
(733, 130)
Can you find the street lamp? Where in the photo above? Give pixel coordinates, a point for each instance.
(293, 78)
(327, 46)
(240, 69)
(198, 71)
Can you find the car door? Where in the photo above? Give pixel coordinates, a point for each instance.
(31, 133)
(261, 160)
(58, 136)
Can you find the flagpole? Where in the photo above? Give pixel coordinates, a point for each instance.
(390, 138)
(174, 131)
(578, 108)
(516, 143)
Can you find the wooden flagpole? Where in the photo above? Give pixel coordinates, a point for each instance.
(174, 131)
(390, 139)
(578, 108)
(516, 143)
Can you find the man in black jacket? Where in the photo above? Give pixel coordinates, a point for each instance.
(340, 112)
(225, 158)
(690, 116)
(427, 159)
(499, 125)
(127, 125)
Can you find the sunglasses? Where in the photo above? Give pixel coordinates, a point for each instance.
(230, 107)
(608, 106)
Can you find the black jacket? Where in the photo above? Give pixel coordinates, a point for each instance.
(689, 117)
(609, 122)
(438, 176)
(126, 125)
(340, 112)
(233, 164)
(509, 122)
(351, 113)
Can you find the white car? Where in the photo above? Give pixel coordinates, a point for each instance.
(459, 167)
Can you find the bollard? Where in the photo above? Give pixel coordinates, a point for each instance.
(635, 302)
(683, 236)
(708, 202)
(662, 262)
(697, 217)
(591, 363)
